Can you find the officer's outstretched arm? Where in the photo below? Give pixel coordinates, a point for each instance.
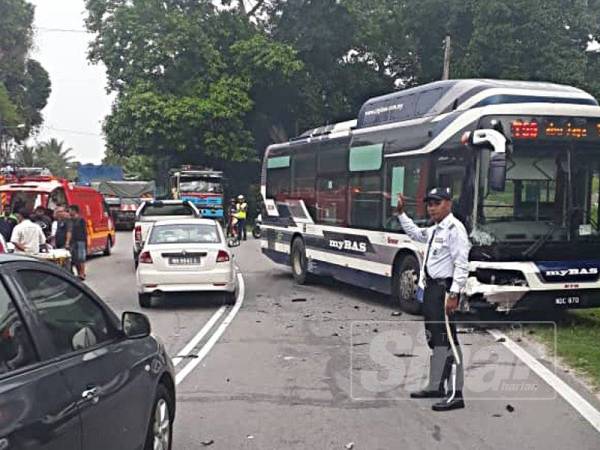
(410, 228)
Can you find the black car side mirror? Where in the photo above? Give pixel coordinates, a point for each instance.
(135, 325)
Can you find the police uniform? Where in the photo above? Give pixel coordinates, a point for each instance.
(445, 270)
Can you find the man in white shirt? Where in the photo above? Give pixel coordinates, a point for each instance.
(27, 236)
(444, 275)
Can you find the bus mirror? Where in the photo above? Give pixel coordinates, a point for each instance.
(486, 138)
(497, 172)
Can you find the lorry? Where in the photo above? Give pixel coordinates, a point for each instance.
(124, 198)
(201, 186)
(89, 173)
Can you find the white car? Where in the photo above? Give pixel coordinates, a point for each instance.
(153, 210)
(185, 255)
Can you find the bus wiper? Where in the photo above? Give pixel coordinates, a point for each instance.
(530, 251)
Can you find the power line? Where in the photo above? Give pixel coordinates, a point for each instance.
(61, 30)
(66, 130)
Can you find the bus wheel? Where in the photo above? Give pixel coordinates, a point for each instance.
(299, 262)
(406, 279)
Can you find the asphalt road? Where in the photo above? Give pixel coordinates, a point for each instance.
(327, 366)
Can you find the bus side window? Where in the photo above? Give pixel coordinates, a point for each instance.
(278, 177)
(331, 200)
(409, 177)
(303, 179)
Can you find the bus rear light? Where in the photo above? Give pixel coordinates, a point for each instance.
(524, 130)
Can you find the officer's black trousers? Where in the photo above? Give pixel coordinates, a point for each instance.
(437, 337)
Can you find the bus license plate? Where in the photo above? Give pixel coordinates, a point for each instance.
(566, 301)
(184, 260)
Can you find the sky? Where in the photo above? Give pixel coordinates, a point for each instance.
(79, 101)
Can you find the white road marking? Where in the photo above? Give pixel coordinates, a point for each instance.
(196, 339)
(183, 373)
(581, 405)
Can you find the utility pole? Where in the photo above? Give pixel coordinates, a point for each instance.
(447, 56)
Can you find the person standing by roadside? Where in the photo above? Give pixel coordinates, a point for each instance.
(27, 236)
(444, 275)
(7, 222)
(60, 227)
(76, 240)
(241, 214)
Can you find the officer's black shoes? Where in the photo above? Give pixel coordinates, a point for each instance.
(450, 403)
(427, 393)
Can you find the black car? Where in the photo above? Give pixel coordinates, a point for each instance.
(72, 376)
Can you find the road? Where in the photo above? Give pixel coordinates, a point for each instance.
(327, 366)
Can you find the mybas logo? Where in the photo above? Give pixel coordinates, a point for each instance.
(572, 272)
(569, 271)
(348, 243)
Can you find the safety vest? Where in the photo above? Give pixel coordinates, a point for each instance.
(241, 210)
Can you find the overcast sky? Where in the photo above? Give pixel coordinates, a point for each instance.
(78, 102)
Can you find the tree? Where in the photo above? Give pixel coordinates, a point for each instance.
(53, 156)
(24, 80)
(187, 78)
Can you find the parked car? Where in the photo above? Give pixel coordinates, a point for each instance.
(72, 375)
(185, 255)
(151, 211)
(50, 192)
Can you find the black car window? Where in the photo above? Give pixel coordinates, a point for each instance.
(73, 320)
(166, 209)
(16, 349)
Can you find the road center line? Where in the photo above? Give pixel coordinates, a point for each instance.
(196, 339)
(216, 335)
(581, 405)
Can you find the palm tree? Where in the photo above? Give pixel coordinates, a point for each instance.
(53, 156)
(25, 156)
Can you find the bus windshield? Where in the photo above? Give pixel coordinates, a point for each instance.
(551, 194)
(201, 185)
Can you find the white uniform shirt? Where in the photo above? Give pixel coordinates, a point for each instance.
(449, 251)
(29, 236)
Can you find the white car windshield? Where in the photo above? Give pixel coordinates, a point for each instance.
(185, 234)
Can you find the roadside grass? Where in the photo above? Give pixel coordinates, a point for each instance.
(577, 341)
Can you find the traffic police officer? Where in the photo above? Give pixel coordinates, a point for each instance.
(443, 276)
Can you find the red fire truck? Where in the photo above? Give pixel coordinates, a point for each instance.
(50, 192)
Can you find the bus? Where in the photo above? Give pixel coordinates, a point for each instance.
(202, 187)
(522, 160)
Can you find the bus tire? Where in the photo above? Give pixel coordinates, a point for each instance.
(406, 278)
(299, 262)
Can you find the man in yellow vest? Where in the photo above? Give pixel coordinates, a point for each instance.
(240, 215)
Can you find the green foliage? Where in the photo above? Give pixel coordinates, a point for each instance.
(23, 80)
(53, 156)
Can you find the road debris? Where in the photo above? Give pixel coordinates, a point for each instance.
(396, 314)
(375, 330)
(350, 445)
(510, 408)
(335, 334)
(300, 299)
(501, 339)
(404, 355)
(207, 443)
(250, 436)
(356, 307)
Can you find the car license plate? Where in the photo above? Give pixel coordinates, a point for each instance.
(566, 301)
(184, 260)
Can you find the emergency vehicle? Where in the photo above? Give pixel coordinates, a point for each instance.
(50, 192)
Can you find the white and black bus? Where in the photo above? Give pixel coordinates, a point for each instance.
(522, 160)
